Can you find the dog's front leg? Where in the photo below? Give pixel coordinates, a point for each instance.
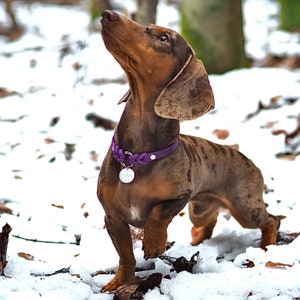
(120, 235)
(155, 230)
(155, 233)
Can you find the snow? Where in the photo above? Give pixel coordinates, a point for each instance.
(54, 199)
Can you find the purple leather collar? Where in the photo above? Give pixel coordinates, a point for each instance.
(128, 159)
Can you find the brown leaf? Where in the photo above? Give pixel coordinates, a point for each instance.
(261, 106)
(69, 150)
(125, 292)
(94, 156)
(77, 66)
(5, 92)
(287, 155)
(278, 265)
(57, 206)
(26, 256)
(222, 134)
(181, 264)
(4, 236)
(269, 124)
(54, 121)
(278, 131)
(49, 140)
(101, 121)
(150, 282)
(5, 209)
(286, 238)
(137, 289)
(248, 264)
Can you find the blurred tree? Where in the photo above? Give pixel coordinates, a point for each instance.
(97, 7)
(214, 28)
(14, 31)
(290, 15)
(146, 12)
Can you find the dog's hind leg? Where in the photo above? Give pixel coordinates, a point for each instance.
(250, 212)
(203, 211)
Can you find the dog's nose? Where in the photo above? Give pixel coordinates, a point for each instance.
(109, 17)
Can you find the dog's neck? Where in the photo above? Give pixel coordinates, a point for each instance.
(140, 129)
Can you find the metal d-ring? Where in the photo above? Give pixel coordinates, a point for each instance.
(128, 154)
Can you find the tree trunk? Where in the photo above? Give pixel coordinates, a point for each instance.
(146, 13)
(214, 29)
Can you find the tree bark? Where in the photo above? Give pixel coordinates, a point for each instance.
(214, 29)
(146, 13)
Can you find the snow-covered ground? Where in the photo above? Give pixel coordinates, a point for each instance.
(54, 199)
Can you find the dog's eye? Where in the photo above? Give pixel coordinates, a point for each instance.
(163, 38)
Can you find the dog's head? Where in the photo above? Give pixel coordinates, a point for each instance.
(161, 59)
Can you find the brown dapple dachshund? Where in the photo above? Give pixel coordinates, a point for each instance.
(151, 170)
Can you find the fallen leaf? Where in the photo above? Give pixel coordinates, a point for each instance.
(54, 121)
(94, 156)
(269, 124)
(49, 140)
(248, 264)
(286, 238)
(101, 121)
(261, 106)
(181, 264)
(125, 292)
(69, 150)
(5, 92)
(277, 265)
(26, 256)
(137, 289)
(77, 66)
(287, 155)
(57, 206)
(5, 209)
(221, 134)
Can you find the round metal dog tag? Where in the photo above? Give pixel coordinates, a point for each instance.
(126, 175)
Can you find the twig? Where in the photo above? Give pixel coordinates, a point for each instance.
(4, 235)
(111, 271)
(46, 242)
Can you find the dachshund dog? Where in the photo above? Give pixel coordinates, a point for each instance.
(151, 171)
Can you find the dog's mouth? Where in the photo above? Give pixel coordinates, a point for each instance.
(116, 39)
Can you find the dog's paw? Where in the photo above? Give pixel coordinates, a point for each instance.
(124, 275)
(153, 248)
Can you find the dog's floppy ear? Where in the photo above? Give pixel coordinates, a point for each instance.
(188, 95)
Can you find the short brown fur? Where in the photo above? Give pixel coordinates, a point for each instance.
(168, 84)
